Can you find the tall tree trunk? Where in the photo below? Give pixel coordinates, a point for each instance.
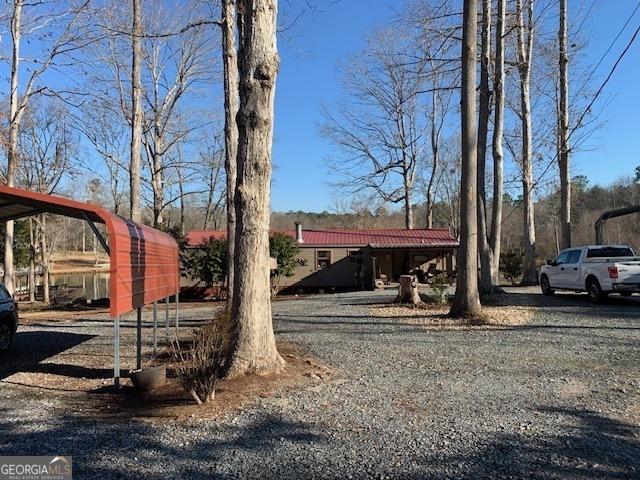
(12, 148)
(157, 186)
(498, 151)
(254, 347)
(408, 210)
(182, 194)
(525, 50)
(563, 125)
(435, 155)
(466, 301)
(32, 261)
(486, 256)
(231, 93)
(44, 259)
(136, 113)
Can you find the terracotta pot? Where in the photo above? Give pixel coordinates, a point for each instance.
(149, 378)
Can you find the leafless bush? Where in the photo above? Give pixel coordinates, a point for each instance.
(199, 367)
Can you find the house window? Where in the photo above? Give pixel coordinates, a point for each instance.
(323, 259)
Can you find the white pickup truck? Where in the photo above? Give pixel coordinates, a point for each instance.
(596, 269)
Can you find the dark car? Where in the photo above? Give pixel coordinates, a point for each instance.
(8, 318)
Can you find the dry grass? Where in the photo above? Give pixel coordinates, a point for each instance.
(436, 316)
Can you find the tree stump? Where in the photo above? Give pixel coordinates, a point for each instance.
(408, 290)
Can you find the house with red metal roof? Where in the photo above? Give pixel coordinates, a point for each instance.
(342, 260)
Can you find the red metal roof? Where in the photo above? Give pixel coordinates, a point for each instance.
(378, 238)
(144, 262)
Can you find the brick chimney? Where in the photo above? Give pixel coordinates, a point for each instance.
(299, 238)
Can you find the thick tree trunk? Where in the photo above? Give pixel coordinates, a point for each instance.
(158, 187)
(466, 302)
(486, 255)
(231, 93)
(498, 152)
(525, 50)
(408, 210)
(136, 114)
(408, 290)
(563, 125)
(12, 148)
(254, 347)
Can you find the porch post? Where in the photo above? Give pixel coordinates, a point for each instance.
(116, 352)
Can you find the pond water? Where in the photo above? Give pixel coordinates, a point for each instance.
(94, 284)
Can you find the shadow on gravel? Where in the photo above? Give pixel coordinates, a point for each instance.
(119, 449)
(598, 448)
(31, 348)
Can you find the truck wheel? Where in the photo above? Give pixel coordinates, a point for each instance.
(596, 295)
(546, 286)
(6, 336)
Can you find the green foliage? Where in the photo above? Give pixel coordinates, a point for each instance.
(511, 264)
(439, 288)
(20, 243)
(285, 250)
(185, 254)
(208, 263)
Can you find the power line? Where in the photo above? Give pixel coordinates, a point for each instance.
(611, 45)
(595, 97)
(613, 69)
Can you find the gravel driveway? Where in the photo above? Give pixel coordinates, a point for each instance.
(556, 398)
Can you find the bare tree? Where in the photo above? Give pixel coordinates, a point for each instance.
(466, 302)
(136, 112)
(486, 255)
(59, 24)
(231, 92)
(175, 67)
(525, 36)
(48, 149)
(382, 130)
(104, 129)
(498, 152)
(563, 131)
(254, 346)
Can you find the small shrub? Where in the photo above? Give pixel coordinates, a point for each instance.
(199, 368)
(208, 263)
(439, 288)
(285, 250)
(511, 264)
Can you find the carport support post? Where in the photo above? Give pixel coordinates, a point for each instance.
(155, 327)
(139, 339)
(177, 311)
(166, 317)
(116, 352)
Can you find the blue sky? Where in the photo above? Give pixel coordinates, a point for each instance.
(308, 78)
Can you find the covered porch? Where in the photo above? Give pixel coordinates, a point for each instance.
(424, 262)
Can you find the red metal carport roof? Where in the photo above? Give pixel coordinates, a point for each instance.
(144, 262)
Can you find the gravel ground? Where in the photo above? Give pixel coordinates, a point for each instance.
(556, 398)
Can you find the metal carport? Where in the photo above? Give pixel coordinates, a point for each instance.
(144, 262)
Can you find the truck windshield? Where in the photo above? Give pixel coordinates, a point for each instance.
(607, 252)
